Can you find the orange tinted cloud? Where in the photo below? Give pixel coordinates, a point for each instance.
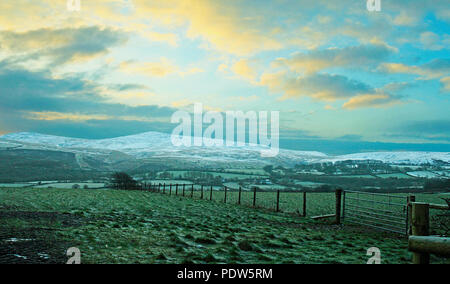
(217, 22)
(161, 68)
(370, 100)
(244, 69)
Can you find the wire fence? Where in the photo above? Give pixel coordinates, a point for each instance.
(280, 201)
(387, 212)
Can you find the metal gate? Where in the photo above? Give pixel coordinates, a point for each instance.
(380, 211)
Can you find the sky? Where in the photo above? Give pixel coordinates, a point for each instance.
(335, 71)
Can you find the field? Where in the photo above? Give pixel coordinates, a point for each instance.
(70, 185)
(15, 185)
(110, 226)
(357, 176)
(238, 176)
(53, 184)
(165, 181)
(423, 174)
(397, 175)
(260, 172)
(309, 184)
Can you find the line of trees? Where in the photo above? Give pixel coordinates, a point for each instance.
(437, 184)
(124, 181)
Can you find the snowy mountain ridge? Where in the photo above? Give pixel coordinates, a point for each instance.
(156, 144)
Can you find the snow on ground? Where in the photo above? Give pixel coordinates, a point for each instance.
(424, 174)
(155, 144)
(410, 158)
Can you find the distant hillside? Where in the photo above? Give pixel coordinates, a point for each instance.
(33, 154)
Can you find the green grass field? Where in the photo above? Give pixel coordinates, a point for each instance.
(228, 175)
(110, 226)
(397, 175)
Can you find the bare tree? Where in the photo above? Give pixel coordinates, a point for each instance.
(123, 181)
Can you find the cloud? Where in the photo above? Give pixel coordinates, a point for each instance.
(170, 38)
(324, 87)
(432, 70)
(406, 19)
(431, 130)
(409, 13)
(354, 56)
(127, 87)
(301, 77)
(396, 87)
(60, 46)
(432, 41)
(235, 27)
(371, 100)
(222, 25)
(160, 68)
(337, 35)
(43, 100)
(222, 68)
(428, 126)
(92, 129)
(351, 137)
(191, 71)
(152, 69)
(77, 117)
(445, 84)
(243, 69)
(65, 116)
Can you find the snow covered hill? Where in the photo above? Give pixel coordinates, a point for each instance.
(155, 145)
(410, 158)
(151, 145)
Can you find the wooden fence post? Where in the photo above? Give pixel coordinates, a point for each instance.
(254, 197)
(192, 191)
(170, 191)
(439, 246)
(176, 189)
(164, 189)
(210, 194)
(239, 198)
(344, 200)
(184, 189)
(225, 197)
(420, 227)
(159, 188)
(338, 206)
(201, 194)
(278, 200)
(411, 200)
(304, 204)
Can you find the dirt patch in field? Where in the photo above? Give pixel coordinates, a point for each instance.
(66, 219)
(30, 248)
(37, 243)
